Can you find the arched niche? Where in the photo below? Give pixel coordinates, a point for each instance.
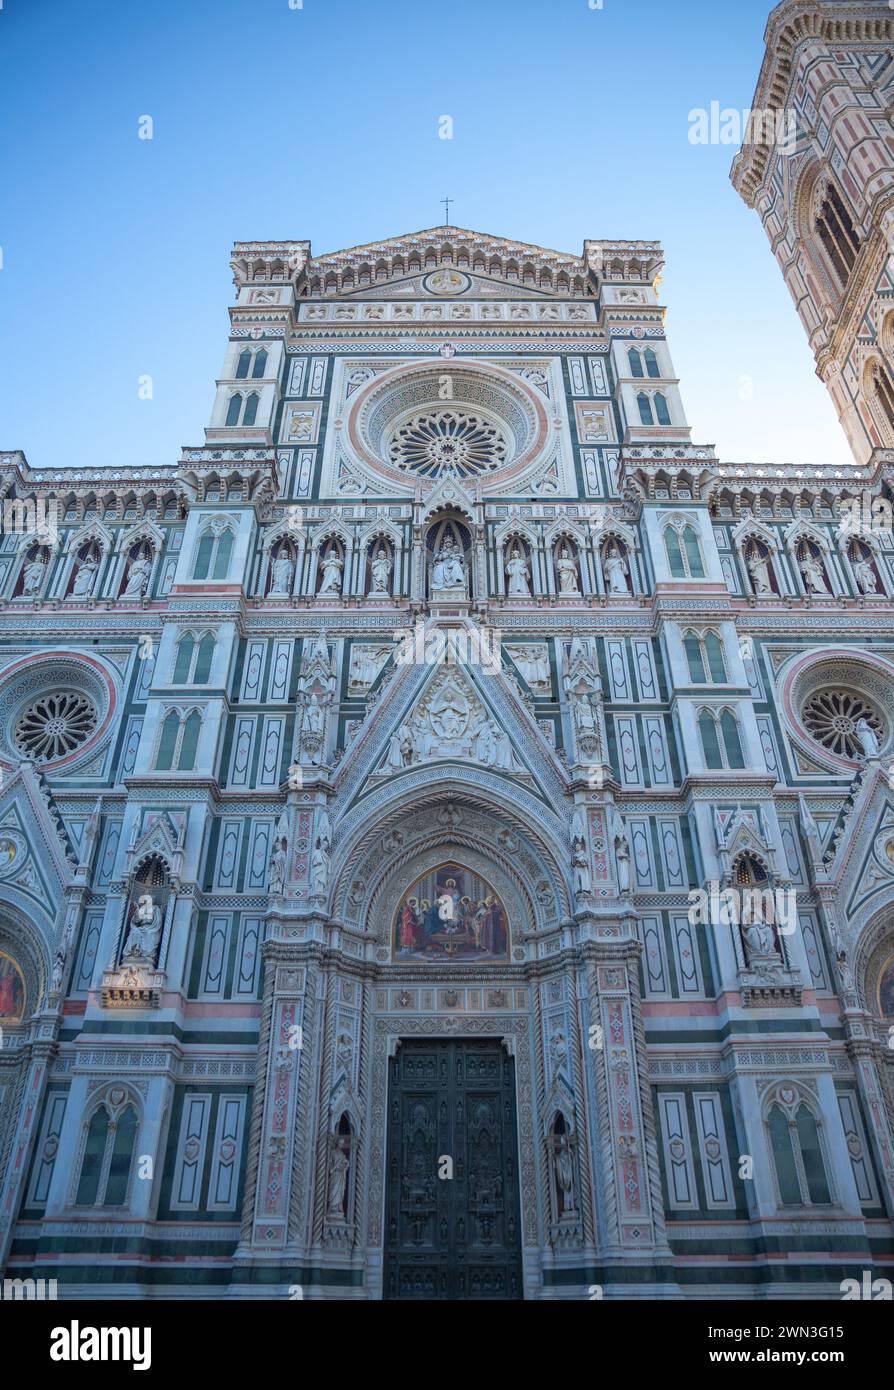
(430, 827)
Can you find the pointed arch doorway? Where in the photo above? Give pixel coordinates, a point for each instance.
(452, 1223)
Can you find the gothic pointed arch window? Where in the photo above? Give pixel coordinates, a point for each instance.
(243, 365)
(732, 742)
(651, 362)
(636, 362)
(213, 553)
(189, 742)
(798, 1150)
(193, 662)
(684, 556)
(708, 732)
(167, 746)
(178, 742)
(108, 1147)
(259, 366)
(183, 662)
(834, 226)
(201, 672)
(242, 410)
(704, 656)
(644, 405)
(661, 408)
(721, 740)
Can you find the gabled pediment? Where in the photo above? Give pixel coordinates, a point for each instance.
(435, 711)
(445, 261)
(37, 861)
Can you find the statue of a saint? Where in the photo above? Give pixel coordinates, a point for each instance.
(812, 571)
(622, 853)
(339, 1164)
(865, 576)
(276, 878)
(615, 569)
(580, 863)
(33, 574)
(319, 869)
(517, 569)
(760, 941)
(332, 568)
(567, 572)
(503, 756)
(144, 933)
(138, 576)
(759, 570)
(380, 570)
(282, 571)
(564, 1174)
(868, 738)
(86, 576)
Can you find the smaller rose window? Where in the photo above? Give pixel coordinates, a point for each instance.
(55, 725)
(832, 717)
(448, 440)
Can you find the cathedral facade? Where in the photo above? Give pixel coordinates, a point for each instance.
(446, 822)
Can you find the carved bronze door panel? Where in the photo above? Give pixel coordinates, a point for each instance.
(452, 1103)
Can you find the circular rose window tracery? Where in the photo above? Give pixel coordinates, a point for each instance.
(832, 716)
(55, 725)
(422, 420)
(448, 441)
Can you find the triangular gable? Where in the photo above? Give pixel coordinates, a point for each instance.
(448, 711)
(37, 861)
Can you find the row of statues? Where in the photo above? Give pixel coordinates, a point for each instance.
(812, 572)
(86, 569)
(448, 572)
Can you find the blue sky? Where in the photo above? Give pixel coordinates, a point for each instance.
(321, 123)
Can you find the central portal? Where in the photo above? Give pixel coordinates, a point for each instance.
(451, 1109)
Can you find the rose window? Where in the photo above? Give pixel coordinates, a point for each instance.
(448, 441)
(832, 717)
(55, 725)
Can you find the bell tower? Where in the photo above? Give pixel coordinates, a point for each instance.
(825, 194)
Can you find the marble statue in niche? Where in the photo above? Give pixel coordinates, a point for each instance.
(332, 571)
(85, 576)
(282, 571)
(615, 569)
(380, 569)
(33, 574)
(517, 569)
(144, 932)
(812, 573)
(138, 575)
(448, 571)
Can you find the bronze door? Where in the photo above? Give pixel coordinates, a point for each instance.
(459, 1236)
